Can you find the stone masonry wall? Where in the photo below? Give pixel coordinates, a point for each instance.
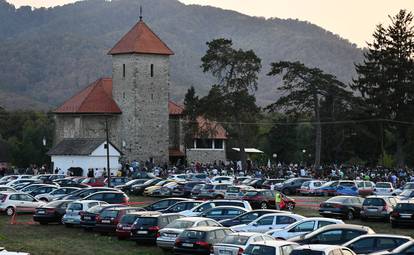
(205, 156)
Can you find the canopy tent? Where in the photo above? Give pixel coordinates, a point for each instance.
(249, 150)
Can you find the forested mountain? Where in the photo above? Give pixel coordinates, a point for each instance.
(47, 55)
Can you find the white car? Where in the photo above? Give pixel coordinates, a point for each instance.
(222, 180)
(236, 192)
(321, 249)
(4, 252)
(275, 247)
(385, 189)
(72, 215)
(169, 233)
(236, 243)
(12, 201)
(177, 177)
(6, 189)
(310, 187)
(268, 222)
(195, 211)
(56, 194)
(302, 227)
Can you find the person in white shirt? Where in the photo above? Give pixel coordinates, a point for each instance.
(272, 186)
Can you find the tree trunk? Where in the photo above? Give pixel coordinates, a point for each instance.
(243, 157)
(318, 135)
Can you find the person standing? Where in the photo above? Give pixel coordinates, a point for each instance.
(278, 199)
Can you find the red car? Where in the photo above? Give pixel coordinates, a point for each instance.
(265, 199)
(94, 182)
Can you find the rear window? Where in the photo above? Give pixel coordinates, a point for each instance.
(109, 214)
(374, 202)
(191, 234)
(75, 206)
(405, 206)
(147, 221)
(259, 250)
(235, 239)
(306, 252)
(128, 219)
(383, 185)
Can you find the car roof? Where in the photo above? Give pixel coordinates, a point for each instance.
(205, 228)
(342, 226)
(194, 219)
(382, 235)
(274, 243)
(226, 200)
(322, 218)
(246, 234)
(378, 196)
(229, 207)
(87, 201)
(318, 247)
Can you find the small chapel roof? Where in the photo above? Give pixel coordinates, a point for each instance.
(78, 146)
(141, 39)
(96, 98)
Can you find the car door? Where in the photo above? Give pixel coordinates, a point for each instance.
(283, 221)
(262, 225)
(28, 201)
(363, 246)
(300, 229)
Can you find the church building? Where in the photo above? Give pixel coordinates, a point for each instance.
(143, 123)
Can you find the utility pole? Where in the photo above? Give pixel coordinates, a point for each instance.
(107, 151)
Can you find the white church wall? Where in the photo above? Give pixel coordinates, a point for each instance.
(85, 162)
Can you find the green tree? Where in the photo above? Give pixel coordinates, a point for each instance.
(191, 112)
(386, 77)
(236, 72)
(303, 90)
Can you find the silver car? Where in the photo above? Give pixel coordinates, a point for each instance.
(236, 243)
(73, 212)
(379, 207)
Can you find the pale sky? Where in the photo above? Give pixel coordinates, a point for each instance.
(354, 20)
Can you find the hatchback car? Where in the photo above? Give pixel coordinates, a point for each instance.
(268, 222)
(236, 192)
(247, 217)
(94, 182)
(51, 212)
(111, 197)
(123, 229)
(384, 188)
(270, 248)
(223, 212)
(12, 201)
(291, 185)
(82, 193)
(74, 209)
(108, 219)
(348, 207)
(378, 207)
(170, 232)
(302, 227)
(126, 187)
(89, 217)
(43, 190)
(199, 240)
(147, 226)
(236, 243)
(317, 249)
(366, 244)
(404, 249)
(138, 189)
(336, 234)
(403, 214)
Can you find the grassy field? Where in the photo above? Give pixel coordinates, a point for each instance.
(58, 240)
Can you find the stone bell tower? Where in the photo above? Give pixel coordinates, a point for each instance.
(140, 77)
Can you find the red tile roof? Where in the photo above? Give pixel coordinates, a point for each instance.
(175, 109)
(212, 129)
(141, 39)
(96, 98)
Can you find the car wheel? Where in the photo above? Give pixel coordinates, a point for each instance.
(10, 211)
(350, 215)
(290, 206)
(263, 205)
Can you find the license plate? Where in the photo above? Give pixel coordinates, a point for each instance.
(40, 212)
(405, 215)
(372, 209)
(106, 221)
(170, 235)
(188, 245)
(70, 220)
(87, 218)
(327, 212)
(142, 232)
(126, 228)
(225, 252)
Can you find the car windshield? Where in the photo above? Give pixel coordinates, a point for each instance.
(383, 185)
(374, 202)
(128, 219)
(405, 206)
(109, 214)
(198, 186)
(75, 206)
(306, 252)
(337, 199)
(260, 250)
(235, 239)
(180, 224)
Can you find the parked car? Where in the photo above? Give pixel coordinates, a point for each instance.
(126, 187)
(291, 185)
(164, 203)
(138, 189)
(94, 182)
(182, 206)
(111, 197)
(69, 183)
(336, 234)
(89, 217)
(7, 189)
(223, 212)
(199, 240)
(51, 212)
(302, 227)
(116, 181)
(3, 251)
(56, 194)
(327, 189)
(108, 219)
(265, 199)
(355, 188)
(229, 180)
(31, 187)
(406, 194)
(149, 189)
(170, 232)
(268, 183)
(256, 183)
(214, 203)
(197, 189)
(408, 185)
(247, 217)
(318, 249)
(147, 226)
(74, 209)
(385, 189)
(164, 191)
(236, 192)
(213, 191)
(12, 201)
(185, 189)
(123, 229)
(366, 244)
(403, 214)
(310, 187)
(270, 248)
(197, 177)
(378, 207)
(82, 193)
(42, 190)
(348, 207)
(236, 243)
(177, 177)
(404, 249)
(268, 222)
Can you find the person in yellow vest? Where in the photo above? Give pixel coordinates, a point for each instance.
(278, 199)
